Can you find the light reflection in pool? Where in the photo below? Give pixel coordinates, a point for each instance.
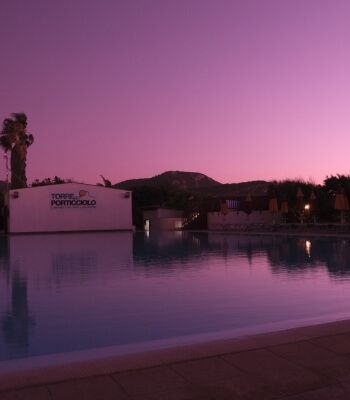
(67, 292)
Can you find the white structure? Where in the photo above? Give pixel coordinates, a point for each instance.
(234, 218)
(164, 219)
(68, 207)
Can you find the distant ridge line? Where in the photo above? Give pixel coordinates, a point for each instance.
(198, 182)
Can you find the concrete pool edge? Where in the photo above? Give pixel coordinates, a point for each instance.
(109, 365)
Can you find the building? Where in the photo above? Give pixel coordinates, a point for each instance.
(68, 207)
(162, 219)
(218, 221)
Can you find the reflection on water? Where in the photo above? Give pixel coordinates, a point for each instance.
(17, 321)
(67, 292)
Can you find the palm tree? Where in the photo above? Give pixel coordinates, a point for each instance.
(107, 182)
(14, 138)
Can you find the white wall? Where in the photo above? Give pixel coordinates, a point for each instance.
(69, 207)
(163, 219)
(216, 220)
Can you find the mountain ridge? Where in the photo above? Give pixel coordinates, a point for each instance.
(197, 182)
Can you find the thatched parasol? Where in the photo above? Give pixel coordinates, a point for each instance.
(273, 206)
(341, 202)
(224, 207)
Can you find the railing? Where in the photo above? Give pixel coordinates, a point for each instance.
(191, 215)
(196, 216)
(284, 227)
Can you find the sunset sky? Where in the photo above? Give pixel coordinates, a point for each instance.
(238, 90)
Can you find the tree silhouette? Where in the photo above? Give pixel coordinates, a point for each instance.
(106, 182)
(14, 138)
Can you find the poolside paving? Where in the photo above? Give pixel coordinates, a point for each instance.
(305, 363)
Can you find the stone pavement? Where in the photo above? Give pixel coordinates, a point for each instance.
(306, 363)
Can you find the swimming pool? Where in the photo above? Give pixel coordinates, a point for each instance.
(120, 292)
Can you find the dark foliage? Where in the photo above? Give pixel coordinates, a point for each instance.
(48, 181)
(14, 138)
(152, 196)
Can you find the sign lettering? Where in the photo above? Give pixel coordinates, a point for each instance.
(71, 200)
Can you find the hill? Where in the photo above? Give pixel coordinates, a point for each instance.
(198, 183)
(254, 188)
(179, 179)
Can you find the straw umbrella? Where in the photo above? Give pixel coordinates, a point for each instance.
(248, 206)
(284, 207)
(299, 206)
(273, 206)
(224, 208)
(341, 202)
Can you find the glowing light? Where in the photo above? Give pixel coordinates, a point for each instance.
(308, 247)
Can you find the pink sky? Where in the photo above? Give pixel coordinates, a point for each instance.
(239, 90)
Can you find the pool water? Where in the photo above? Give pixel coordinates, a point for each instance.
(125, 292)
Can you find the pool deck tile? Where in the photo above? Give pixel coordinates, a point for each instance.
(334, 392)
(151, 381)
(316, 358)
(40, 393)
(337, 343)
(304, 363)
(99, 387)
(211, 369)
